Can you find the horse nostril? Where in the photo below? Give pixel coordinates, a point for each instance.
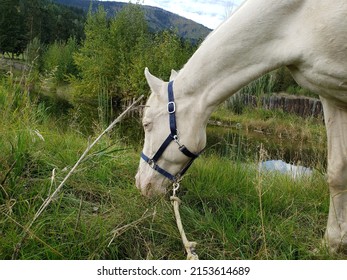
(147, 190)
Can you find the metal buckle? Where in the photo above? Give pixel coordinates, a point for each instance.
(152, 164)
(173, 104)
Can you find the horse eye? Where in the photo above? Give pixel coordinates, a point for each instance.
(146, 125)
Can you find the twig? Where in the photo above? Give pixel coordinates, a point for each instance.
(52, 181)
(51, 197)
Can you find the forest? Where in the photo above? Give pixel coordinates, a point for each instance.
(21, 21)
(101, 59)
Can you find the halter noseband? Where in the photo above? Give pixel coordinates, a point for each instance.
(173, 137)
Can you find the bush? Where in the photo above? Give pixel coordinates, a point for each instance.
(58, 59)
(112, 59)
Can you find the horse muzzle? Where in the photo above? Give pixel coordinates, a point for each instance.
(150, 185)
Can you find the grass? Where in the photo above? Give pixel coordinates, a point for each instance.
(99, 214)
(273, 122)
(229, 196)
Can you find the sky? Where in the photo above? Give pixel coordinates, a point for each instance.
(207, 12)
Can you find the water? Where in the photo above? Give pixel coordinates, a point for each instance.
(294, 171)
(239, 145)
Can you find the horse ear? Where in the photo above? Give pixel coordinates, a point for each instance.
(173, 75)
(154, 83)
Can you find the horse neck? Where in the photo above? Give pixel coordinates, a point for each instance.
(252, 42)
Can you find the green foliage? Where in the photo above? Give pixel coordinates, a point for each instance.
(230, 211)
(100, 215)
(96, 65)
(298, 90)
(160, 53)
(169, 52)
(129, 33)
(33, 54)
(18, 107)
(118, 52)
(283, 79)
(114, 54)
(264, 84)
(58, 59)
(95, 59)
(23, 20)
(12, 37)
(277, 81)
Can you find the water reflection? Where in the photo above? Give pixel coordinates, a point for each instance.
(243, 146)
(294, 171)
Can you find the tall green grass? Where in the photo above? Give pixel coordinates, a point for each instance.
(99, 214)
(227, 196)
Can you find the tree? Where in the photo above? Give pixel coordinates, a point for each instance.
(114, 54)
(160, 52)
(169, 52)
(58, 60)
(95, 59)
(130, 37)
(12, 28)
(136, 49)
(96, 64)
(23, 20)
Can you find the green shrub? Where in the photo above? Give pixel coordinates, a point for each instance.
(58, 59)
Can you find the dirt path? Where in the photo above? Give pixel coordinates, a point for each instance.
(7, 64)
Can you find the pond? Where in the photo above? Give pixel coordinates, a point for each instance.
(294, 171)
(240, 145)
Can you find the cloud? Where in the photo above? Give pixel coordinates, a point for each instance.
(207, 12)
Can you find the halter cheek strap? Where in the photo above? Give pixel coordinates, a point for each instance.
(173, 137)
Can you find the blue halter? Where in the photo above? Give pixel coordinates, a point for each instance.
(173, 137)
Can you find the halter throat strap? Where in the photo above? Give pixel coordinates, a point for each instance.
(173, 137)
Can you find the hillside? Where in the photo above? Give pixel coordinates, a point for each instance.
(158, 19)
(22, 21)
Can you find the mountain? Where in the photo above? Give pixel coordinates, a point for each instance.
(157, 18)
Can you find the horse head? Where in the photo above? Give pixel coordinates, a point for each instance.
(175, 134)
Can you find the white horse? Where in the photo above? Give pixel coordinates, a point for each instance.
(307, 36)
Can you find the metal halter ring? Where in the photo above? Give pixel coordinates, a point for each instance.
(152, 163)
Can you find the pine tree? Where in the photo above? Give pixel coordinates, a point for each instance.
(12, 27)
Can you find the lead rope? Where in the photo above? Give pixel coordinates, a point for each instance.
(189, 246)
